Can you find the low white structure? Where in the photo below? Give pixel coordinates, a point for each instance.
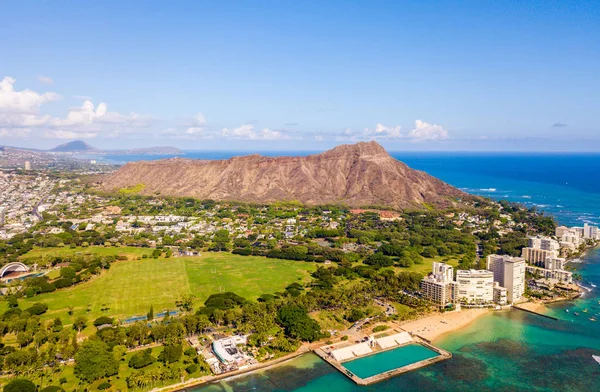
(226, 349)
(346, 353)
(398, 339)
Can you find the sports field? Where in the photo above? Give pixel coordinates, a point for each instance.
(128, 288)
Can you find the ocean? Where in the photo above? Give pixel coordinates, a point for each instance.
(502, 351)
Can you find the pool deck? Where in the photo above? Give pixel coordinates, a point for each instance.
(442, 355)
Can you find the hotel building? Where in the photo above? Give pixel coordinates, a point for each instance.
(439, 286)
(475, 286)
(537, 256)
(509, 272)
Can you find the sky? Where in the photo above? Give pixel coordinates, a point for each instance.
(302, 75)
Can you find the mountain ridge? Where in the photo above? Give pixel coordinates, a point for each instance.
(356, 175)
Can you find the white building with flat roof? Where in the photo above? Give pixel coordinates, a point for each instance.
(475, 286)
(591, 232)
(509, 272)
(537, 256)
(439, 285)
(500, 294)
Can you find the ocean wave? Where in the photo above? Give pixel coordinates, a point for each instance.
(488, 189)
(526, 197)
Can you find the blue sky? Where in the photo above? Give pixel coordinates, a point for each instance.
(414, 75)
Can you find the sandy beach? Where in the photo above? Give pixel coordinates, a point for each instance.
(538, 307)
(434, 326)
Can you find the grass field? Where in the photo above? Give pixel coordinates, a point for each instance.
(128, 288)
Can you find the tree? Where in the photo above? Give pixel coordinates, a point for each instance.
(52, 388)
(186, 302)
(218, 316)
(57, 325)
(80, 323)
(171, 353)
(355, 315)
(20, 385)
(141, 359)
(150, 315)
(379, 260)
(94, 361)
(37, 309)
(102, 321)
(297, 323)
(12, 302)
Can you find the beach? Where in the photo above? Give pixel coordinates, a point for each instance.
(433, 327)
(537, 307)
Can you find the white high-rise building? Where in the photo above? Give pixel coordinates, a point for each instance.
(537, 256)
(545, 243)
(439, 285)
(509, 272)
(475, 286)
(590, 232)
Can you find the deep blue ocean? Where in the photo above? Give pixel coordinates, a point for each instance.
(502, 351)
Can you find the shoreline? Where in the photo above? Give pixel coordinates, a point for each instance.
(436, 326)
(432, 328)
(207, 380)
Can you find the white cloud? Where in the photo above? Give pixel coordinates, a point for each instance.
(248, 132)
(89, 120)
(45, 80)
(319, 138)
(25, 101)
(199, 120)
(196, 126)
(383, 132)
(14, 132)
(19, 115)
(61, 134)
(424, 131)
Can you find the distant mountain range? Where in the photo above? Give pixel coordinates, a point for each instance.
(361, 174)
(79, 146)
(75, 146)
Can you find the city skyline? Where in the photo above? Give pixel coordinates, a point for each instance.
(287, 76)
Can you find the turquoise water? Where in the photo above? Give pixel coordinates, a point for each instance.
(502, 351)
(389, 360)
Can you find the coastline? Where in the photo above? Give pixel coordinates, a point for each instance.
(205, 380)
(435, 326)
(432, 327)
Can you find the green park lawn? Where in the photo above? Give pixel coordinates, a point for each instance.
(128, 288)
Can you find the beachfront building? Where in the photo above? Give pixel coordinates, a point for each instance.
(439, 286)
(500, 294)
(231, 357)
(555, 263)
(475, 287)
(537, 256)
(591, 232)
(509, 272)
(545, 243)
(561, 276)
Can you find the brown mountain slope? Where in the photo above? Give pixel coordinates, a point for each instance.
(355, 175)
